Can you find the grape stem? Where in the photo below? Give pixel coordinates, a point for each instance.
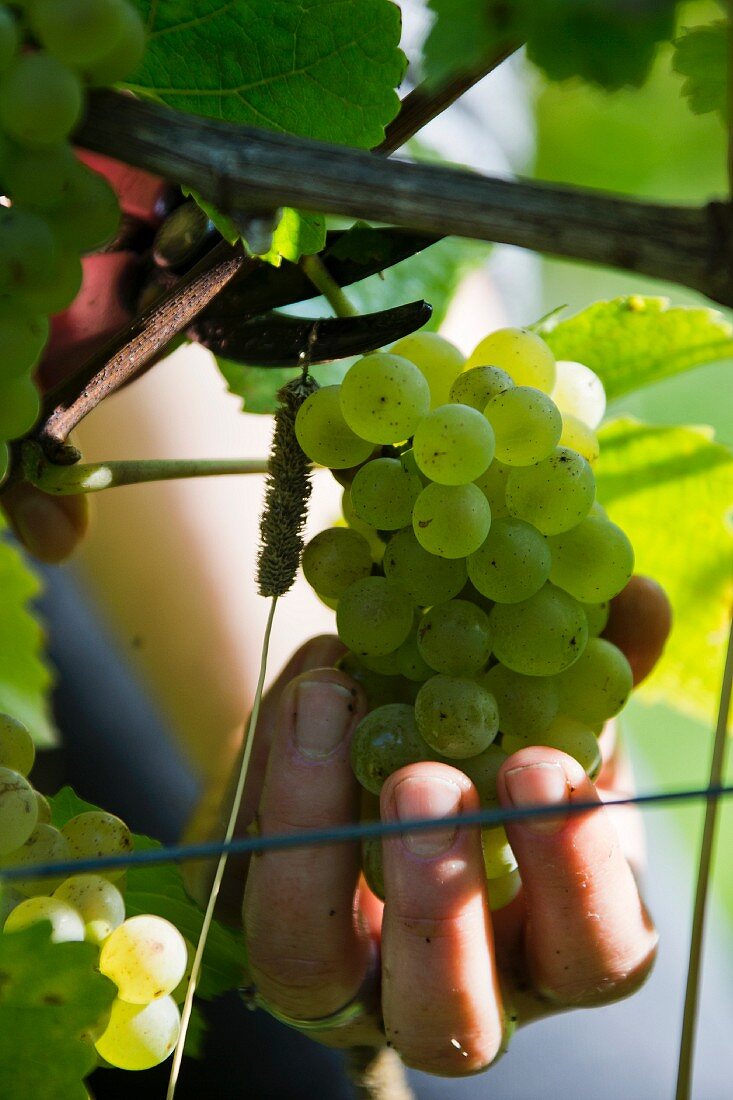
(319, 275)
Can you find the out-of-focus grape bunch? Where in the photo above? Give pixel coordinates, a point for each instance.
(144, 955)
(54, 209)
(472, 577)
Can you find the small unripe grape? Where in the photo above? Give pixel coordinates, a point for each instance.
(335, 559)
(555, 494)
(384, 741)
(457, 717)
(384, 397)
(145, 957)
(499, 859)
(98, 833)
(45, 845)
(66, 924)
(140, 1036)
(438, 359)
(503, 890)
(425, 577)
(374, 616)
(454, 444)
(451, 521)
(579, 392)
(540, 636)
(78, 32)
(325, 436)
(477, 386)
(455, 637)
(512, 563)
(40, 100)
(125, 55)
(384, 492)
(527, 425)
(18, 810)
(521, 353)
(17, 750)
(97, 900)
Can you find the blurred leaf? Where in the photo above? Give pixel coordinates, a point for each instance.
(464, 32)
(258, 386)
(701, 56)
(671, 489)
(634, 341)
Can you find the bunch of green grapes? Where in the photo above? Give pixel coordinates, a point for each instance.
(54, 209)
(144, 955)
(472, 579)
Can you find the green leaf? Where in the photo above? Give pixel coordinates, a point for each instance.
(671, 489)
(701, 56)
(25, 676)
(464, 33)
(49, 994)
(297, 234)
(324, 69)
(634, 341)
(258, 386)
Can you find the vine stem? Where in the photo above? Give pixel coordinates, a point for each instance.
(221, 865)
(319, 275)
(692, 988)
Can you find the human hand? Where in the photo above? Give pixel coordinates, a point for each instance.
(450, 971)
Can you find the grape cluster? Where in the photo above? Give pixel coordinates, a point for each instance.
(144, 955)
(473, 577)
(54, 209)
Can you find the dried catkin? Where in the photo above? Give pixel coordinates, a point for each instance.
(286, 496)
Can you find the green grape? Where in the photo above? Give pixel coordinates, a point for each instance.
(9, 38)
(407, 458)
(512, 563)
(140, 1036)
(386, 740)
(385, 664)
(503, 890)
(98, 833)
(526, 424)
(492, 484)
(540, 636)
(378, 688)
(383, 493)
(323, 433)
(66, 924)
(457, 717)
(125, 55)
(372, 865)
(20, 405)
(88, 214)
(579, 392)
(426, 578)
(554, 495)
(59, 287)
(44, 809)
(477, 386)
(374, 616)
(455, 637)
(376, 545)
(40, 100)
(145, 957)
(453, 444)
(522, 354)
(593, 561)
(22, 339)
(499, 859)
(37, 177)
(334, 559)
(567, 735)
(483, 770)
(17, 750)
(27, 249)
(527, 704)
(577, 436)
(451, 521)
(438, 359)
(597, 616)
(384, 397)
(78, 32)
(45, 845)
(410, 662)
(597, 686)
(18, 810)
(97, 900)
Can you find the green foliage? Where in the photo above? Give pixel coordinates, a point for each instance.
(50, 994)
(634, 341)
(25, 676)
(701, 56)
(258, 386)
(671, 489)
(298, 234)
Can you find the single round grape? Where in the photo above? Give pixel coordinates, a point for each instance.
(18, 810)
(527, 704)
(540, 636)
(426, 578)
(512, 563)
(384, 397)
(455, 637)
(372, 865)
(145, 957)
(567, 735)
(323, 433)
(78, 32)
(27, 249)
(66, 924)
(46, 844)
(374, 616)
(124, 57)
(598, 685)
(9, 38)
(483, 770)
(593, 561)
(457, 717)
(492, 484)
(20, 405)
(410, 662)
(522, 354)
(58, 288)
(40, 100)
(140, 1036)
(577, 436)
(453, 444)
(451, 520)
(98, 833)
(438, 359)
(383, 494)
(17, 750)
(88, 214)
(384, 741)
(554, 495)
(526, 423)
(579, 392)
(334, 559)
(597, 616)
(97, 900)
(38, 177)
(503, 890)
(44, 809)
(22, 339)
(477, 386)
(376, 543)
(499, 859)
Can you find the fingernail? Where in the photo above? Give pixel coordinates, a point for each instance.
(43, 527)
(538, 784)
(416, 798)
(324, 712)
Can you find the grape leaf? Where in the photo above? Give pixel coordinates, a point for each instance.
(701, 56)
(258, 386)
(671, 489)
(634, 341)
(324, 69)
(49, 994)
(25, 676)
